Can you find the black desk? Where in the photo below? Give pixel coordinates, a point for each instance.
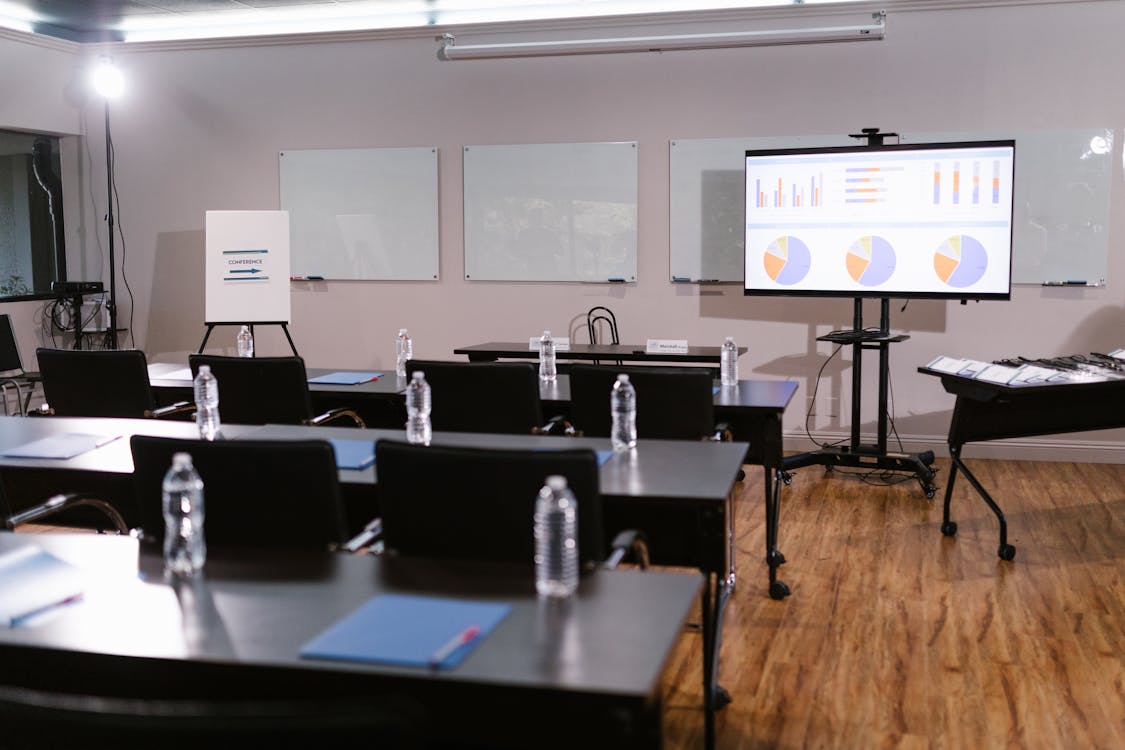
(679, 492)
(990, 411)
(598, 659)
(607, 353)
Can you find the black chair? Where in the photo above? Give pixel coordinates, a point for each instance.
(100, 383)
(266, 390)
(55, 505)
(12, 374)
(598, 317)
(33, 717)
(257, 493)
(494, 397)
(673, 403)
(478, 503)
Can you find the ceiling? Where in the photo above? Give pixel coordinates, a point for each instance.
(92, 21)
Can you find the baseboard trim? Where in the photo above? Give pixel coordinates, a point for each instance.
(1015, 449)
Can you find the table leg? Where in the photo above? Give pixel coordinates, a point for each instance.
(1005, 551)
(774, 558)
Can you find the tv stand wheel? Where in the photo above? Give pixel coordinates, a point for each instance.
(931, 491)
(721, 697)
(949, 528)
(1006, 552)
(779, 590)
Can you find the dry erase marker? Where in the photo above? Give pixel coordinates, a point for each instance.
(468, 635)
(616, 281)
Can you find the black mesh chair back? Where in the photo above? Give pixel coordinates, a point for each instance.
(673, 403)
(257, 493)
(9, 350)
(496, 397)
(259, 390)
(478, 503)
(113, 383)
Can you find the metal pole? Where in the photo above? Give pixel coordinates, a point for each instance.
(111, 339)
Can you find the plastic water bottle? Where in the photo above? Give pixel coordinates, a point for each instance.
(556, 539)
(623, 408)
(548, 372)
(184, 547)
(418, 410)
(728, 362)
(207, 403)
(404, 351)
(245, 342)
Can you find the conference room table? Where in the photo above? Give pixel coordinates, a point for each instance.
(752, 410)
(561, 674)
(680, 493)
(606, 353)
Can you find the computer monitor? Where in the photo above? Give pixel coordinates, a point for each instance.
(927, 220)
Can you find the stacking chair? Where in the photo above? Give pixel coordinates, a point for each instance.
(479, 503)
(100, 383)
(266, 390)
(494, 397)
(257, 493)
(602, 317)
(55, 505)
(673, 403)
(12, 374)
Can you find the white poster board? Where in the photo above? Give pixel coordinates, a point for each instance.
(247, 267)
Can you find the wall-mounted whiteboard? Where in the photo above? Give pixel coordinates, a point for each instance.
(1060, 226)
(246, 267)
(551, 212)
(706, 212)
(362, 213)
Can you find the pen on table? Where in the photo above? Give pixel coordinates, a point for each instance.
(468, 635)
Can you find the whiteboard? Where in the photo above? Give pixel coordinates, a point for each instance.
(1060, 227)
(246, 266)
(362, 213)
(551, 212)
(706, 212)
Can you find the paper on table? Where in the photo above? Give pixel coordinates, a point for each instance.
(63, 446)
(1001, 374)
(950, 365)
(407, 630)
(353, 454)
(346, 378)
(33, 580)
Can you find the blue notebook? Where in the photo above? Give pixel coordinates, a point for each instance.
(346, 378)
(603, 456)
(354, 454)
(406, 630)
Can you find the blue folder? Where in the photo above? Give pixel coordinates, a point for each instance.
(354, 454)
(407, 630)
(346, 378)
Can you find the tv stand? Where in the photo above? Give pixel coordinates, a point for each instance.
(866, 455)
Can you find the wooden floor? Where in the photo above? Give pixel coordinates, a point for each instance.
(898, 637)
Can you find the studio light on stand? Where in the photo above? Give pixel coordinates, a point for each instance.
(108, 83)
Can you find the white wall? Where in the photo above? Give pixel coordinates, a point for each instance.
(202, 128)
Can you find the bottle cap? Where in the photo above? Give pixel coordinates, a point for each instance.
(204, 368)
(181, 460)
(730, 339)
(622, 378)
(556, 482)
(546, 333)
(419, 375)
(402, 332)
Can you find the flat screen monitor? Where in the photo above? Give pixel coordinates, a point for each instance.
(906, 220)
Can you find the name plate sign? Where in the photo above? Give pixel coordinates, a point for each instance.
(666, 346)
(561, 344)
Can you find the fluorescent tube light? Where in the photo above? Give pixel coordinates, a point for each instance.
(867, 32)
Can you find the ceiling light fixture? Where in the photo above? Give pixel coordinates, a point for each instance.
(875, 30)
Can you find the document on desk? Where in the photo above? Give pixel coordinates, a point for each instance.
(1001, 374)
(409, 630)
(353, 454)
(32, 581)
(64, 446)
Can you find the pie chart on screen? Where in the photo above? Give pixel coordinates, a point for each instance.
(960, 261)
(871, 260)
(787, 260)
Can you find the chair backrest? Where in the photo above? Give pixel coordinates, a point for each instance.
(601, 314)
(259, 390)
(98, 383)
(9, 349)
(478, 503)
(257, 493)
(482, 396)
(673, 403)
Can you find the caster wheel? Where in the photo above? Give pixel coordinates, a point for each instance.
(1006, 552)
(931, 491)
(787, 480)
(721, 697)
(775, 558)
(779, 590)
(949, 528)
(740, 476)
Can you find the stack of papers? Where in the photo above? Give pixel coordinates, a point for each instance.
(1028, 374)
(406, 630)
(32, 581)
